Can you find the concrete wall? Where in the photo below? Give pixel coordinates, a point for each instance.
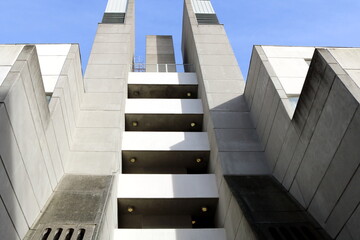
(235, 147)
(313, 153)
(33, 136)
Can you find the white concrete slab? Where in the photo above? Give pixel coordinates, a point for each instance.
(354, 74)
(348, 58)
(9, 54)
(162, 78)
(53, 49)
(52, 58)
(289, 67)
(50, 83)
(164, 106)
(51, 65)
(167, 186)
(4, 70)
(165, 141)
(288, 52)
(292, 86)
(170, 234)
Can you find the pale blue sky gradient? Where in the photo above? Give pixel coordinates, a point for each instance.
(248, 23)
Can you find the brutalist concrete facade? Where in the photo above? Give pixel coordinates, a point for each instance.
(194, 155)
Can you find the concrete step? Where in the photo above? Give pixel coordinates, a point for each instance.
(170, 234)
(162, 85)
(166, 200)
(165, 152)
(163, 115)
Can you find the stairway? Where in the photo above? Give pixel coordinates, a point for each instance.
(164, 191)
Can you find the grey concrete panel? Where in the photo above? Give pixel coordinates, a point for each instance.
(69, 110)
(96, 163)
(7, 229)
(35, 109)
(13, 207)
(297, 194)
(209, 30)
(24, 130)
(69, 124)
(287, 152)
(96, 139)
(105, 119)
(223, 205)
(267, 110)
(214, 49)
(112, 38)
(101, 48)
(310, 88)
(109, 58)
(106, 71)
(327, 79)
(345, 207)
(231, 119)
(16, 169)
(102, 101)
(233, 218)
(294, 164)
(344, 235)
(227, 102)
(259, 94)
(244, 163)
(339, 173)
(219, 174)
(60, 130)
(38, 86)
(270, 120)
(235, 140)
(224, 86)
(218, 60)
(221, 73)
(54, 151)
(108, 28)
(336, 115)
(210, 38)
(254, 69)
(277, 136)
(245, 231)
(105, 85)
(160, 49)
(353, 224)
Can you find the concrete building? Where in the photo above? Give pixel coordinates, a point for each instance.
(175, 152)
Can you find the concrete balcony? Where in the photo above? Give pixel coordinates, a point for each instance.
(165, 152)
(163, 115)
(170, 234)
(166, 200)
(162, 85)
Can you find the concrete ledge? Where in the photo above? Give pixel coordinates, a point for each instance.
(162, 141)
(163, 106)
(170, 234)
(162, 78)
(167, 186)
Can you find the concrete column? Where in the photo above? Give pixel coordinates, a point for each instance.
(160, 56)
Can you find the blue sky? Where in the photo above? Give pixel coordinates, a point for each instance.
(270, 22)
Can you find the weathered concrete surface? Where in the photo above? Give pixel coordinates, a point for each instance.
(312, 152)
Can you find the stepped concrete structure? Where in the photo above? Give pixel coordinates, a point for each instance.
(178, 152)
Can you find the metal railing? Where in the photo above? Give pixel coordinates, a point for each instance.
(143, 67)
